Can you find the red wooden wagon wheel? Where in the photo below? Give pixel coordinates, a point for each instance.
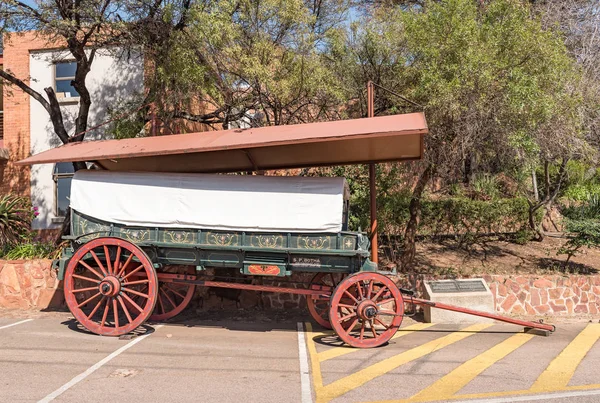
(319, 307)
(366, 309)
(172, 297)
(110, 286)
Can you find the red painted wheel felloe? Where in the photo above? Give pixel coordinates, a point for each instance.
(319, 307)
(366, 310)
(172, 297)
(110, 286)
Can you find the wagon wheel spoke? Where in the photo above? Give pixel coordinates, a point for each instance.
(130, 283)
(362, 330)
(382, 324)
(345, 318)
(333, 283)
(386, 301)
(353, 324)
(174, 291)
(91, 280)
(100, 266)
(85, 289)
(372, 326)
(351, 296)
(96, 307)
(115, 312)
(105, 313)
(124, 309)
(117, 260)
(173, 304)
(89, 299)
(161, 304)
(359, 286)
(107, 258)
(137, 269)
(132, 302)
(134, 292)
(120, 273)
(381, 290)
(370, 289)
(87, 266)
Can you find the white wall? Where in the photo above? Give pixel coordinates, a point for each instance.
(113, 77)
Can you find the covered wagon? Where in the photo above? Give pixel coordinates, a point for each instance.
(159, 211)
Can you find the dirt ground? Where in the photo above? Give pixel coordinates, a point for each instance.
(501, 257)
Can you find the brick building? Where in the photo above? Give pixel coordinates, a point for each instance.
(26, 127)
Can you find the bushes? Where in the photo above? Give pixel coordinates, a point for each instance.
(16, 237)
(16, 214)
(459, 216)
(468, 219)
(583, 221)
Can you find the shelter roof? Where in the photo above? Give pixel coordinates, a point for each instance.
(344, 142)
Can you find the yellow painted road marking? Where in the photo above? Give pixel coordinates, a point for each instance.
(561, 369)
(312, 351)
(340, 351)
(353, 381)
(452, 383)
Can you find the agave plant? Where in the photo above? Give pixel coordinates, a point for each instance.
(15, 219)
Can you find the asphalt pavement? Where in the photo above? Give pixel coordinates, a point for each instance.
(50, 357)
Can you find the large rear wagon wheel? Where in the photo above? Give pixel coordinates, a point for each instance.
(366, 310)
(110, 286)
(318, 307)
(172, 297)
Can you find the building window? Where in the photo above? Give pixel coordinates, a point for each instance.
(62, 175)
(64, 73)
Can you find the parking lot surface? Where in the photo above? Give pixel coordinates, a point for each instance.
(53, 358)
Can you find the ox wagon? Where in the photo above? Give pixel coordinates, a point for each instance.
(141, 238)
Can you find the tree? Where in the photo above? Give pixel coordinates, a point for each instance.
(81, 26)
(496, 87)
(259, 61)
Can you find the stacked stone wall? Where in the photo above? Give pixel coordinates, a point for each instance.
(33, 284)
(29, 284)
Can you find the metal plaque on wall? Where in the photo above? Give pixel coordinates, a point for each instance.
(457, 286)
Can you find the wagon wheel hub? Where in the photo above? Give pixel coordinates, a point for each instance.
(367, 310)
(110, 286)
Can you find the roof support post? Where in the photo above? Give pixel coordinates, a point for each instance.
(372, 188)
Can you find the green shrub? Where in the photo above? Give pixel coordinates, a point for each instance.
(467, 219)
(464, 218)
(16, 214)
(582, 192)
(487, 185)
(31, 250)
(590, 209)
(586, 234)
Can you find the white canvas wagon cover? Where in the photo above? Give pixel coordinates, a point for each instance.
(207, 201)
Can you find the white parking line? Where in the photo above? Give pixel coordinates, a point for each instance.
(93, 368)
(15, 324)
(529, 398)
(304, 373)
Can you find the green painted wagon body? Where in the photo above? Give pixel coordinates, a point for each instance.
(253, 253)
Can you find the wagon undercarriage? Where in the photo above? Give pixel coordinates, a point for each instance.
(112, 287)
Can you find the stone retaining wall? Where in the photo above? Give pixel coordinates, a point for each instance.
(33, 284)
(555, 295)
(29, 284)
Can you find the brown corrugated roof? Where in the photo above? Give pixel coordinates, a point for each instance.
(386, 138)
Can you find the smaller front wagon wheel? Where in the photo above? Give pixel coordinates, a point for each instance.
(366, 309)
